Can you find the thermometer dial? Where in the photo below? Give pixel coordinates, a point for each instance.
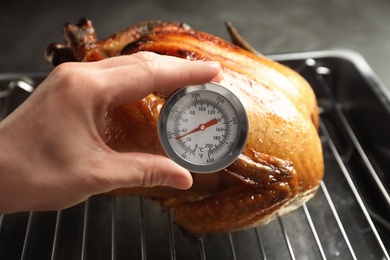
(203, 128)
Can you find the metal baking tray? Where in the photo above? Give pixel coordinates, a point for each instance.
(347, 219)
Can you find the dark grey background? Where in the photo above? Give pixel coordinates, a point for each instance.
(271, 26)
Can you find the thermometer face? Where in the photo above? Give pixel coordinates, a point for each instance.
(203, 128)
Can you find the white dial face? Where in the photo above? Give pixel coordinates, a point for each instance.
(203, 128)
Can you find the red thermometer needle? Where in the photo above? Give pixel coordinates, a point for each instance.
(201, 127)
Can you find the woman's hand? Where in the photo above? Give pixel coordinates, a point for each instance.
(53, 153)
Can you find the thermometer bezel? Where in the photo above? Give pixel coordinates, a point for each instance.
(239, 142)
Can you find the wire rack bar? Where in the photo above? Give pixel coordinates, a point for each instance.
(314, 231)
(171, 236)
(142, 229)
(85, 230)
(55, 238)
(231, 244)
(337, 218)
(202, 249)
(286, 239)
(1, 221)
(260, 243)
(27, 236)
(113, 228)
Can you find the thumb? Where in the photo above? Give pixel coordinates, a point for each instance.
(145, 170)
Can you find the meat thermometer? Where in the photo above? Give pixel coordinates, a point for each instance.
(203, 127)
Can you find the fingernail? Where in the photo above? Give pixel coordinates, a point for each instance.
(217, 69)
(214, 64)
(180, 182)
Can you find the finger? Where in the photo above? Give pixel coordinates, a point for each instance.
(144, 170)
(136, 59)
(155, 73)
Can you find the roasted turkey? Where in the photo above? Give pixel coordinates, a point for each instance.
(281, 165)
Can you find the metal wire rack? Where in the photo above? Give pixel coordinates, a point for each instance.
(347, 219)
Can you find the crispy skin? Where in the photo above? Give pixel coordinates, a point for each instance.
(282, 163)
